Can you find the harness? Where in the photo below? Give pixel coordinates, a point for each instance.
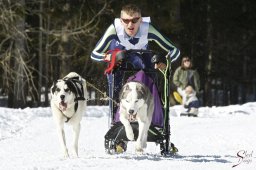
(76, 86)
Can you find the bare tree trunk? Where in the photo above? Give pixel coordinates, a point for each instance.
(11, 97)
(208, 94)
(245, 75)
(46, 102)
(40, 64)
(19, 84)
(245, 63)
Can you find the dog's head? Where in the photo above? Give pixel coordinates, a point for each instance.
(63, 94)
(132, 98)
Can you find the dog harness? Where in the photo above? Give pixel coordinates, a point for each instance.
(76, 86)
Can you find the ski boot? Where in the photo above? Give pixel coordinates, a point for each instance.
(115, 147)
(172, 149)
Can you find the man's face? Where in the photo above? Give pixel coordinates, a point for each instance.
(131, 23)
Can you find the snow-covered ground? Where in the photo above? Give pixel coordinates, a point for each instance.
(218, 139)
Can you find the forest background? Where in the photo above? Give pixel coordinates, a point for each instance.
(43, 40)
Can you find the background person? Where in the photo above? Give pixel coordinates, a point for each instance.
(187, 82)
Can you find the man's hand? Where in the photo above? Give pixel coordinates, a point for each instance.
(118, 60)
(107, 57)
(160, 66)
(119, 55)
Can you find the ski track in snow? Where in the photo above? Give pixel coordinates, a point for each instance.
(28, 140)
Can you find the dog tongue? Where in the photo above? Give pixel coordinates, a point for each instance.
(63, 106)
(131, 118)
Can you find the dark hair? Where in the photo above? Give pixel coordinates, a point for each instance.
(186, 58)
(130, 9)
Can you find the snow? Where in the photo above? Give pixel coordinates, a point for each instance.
(218, 139)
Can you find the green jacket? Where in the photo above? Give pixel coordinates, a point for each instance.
(182, 77)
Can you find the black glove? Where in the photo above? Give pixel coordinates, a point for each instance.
(157, 59)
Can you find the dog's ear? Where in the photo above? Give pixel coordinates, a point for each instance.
(71, 86)
(123, 91)
(127, 87)
(141, 91)
(53, 88)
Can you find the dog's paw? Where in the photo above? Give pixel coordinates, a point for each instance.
(75, 153)
(130, 136)
(139, 150)
(138, 147)
(65, 154)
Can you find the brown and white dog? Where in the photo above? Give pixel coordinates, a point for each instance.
(136, 104)
(68, 103)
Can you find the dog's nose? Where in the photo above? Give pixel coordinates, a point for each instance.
(131, 111)
(62, 97)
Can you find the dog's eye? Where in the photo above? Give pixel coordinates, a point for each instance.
(127, 101)
(136, 101)
(58, 89)
(67, 90)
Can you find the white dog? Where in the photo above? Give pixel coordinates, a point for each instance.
(68, 103)
(136, 103)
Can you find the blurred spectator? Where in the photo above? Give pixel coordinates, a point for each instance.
(187, 83)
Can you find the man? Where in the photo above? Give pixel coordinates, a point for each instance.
(131, 31)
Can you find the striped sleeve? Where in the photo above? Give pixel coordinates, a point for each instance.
(163, 42)
(103, 44)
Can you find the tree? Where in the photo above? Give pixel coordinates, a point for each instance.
(38, 51)
(41, 41)
(17, 73)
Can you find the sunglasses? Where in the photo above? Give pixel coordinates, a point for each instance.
(134, 20)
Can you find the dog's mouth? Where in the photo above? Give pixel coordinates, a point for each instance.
(62, 106)
(132, 117)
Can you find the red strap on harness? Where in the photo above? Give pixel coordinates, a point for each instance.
(112, 62)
